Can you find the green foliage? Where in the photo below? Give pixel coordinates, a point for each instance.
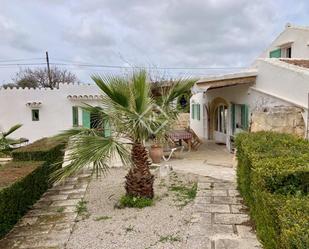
(19, 195)
(169, 238)
(135, 202)
(104, 217)
(132, 112)
(184, 194)
(6, 142)
(60, 209)
(273, 178)
(81, 207)
(45, 149)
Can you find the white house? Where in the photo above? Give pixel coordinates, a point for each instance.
(270, 95)
(45, 112)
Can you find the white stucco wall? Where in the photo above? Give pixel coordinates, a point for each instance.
(242, 94)
(198, 125)
(300, 38)
(283, 80)
(55, 111)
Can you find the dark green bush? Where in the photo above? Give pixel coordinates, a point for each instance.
(273, 178)
(45, 149)
(19, 194)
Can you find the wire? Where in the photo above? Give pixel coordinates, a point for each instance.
(30, 59)
(120, 67)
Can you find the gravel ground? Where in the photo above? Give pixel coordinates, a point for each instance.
(162, 225)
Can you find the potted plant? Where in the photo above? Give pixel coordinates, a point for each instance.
(156, 151)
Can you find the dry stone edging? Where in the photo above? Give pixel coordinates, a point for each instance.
(219, 219)
(48, 225)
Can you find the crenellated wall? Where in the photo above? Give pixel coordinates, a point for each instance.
(55, 108)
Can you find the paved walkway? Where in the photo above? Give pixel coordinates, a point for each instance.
(49, 223)
(219, 220)
(210, 160)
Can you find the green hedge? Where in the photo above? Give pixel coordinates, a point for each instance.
(20, 194)
(45, 149)
(273, 178)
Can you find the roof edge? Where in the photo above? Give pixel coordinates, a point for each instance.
(244, 74)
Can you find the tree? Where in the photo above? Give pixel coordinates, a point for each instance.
(133, 116)
(38, 77)
(6, 142)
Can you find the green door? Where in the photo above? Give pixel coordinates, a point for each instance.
(86, 119)
(245, 117)
(233, 118)
(107, 129)
(75, 116)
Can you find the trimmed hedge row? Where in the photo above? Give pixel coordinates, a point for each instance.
(273, 178)
(18, 196)
(45, 149)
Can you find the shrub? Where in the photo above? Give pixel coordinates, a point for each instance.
(45, 149)
(273, 178)
(135, 202)
(23, 182)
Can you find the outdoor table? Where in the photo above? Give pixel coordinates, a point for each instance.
(179, 135)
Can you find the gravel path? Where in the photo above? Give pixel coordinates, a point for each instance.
(163, 225)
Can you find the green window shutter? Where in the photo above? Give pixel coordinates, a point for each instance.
(75, 116)
(275, 53)
(245, 117)
(233, 118)
(107, 129)
(198, 110)
(86, 119)
(192, 111)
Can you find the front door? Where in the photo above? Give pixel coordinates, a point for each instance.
(220, 124)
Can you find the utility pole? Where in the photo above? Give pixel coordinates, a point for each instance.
(48, 69)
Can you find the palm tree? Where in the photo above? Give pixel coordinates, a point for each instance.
(132, 115)
(6, 142)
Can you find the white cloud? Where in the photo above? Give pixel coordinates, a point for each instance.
(171, 33)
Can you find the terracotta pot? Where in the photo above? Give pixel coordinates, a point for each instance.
(156, 153)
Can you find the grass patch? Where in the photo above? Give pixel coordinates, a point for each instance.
(129, 229)
(184, 194)
(81, 207)
(102, 218)
(169, 238)
(60, 209)
(134, 202)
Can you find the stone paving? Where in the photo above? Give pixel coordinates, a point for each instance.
(49, 223)
(220, 220)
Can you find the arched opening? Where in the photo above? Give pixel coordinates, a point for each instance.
(218, 122)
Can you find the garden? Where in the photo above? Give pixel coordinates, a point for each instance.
(273, 178)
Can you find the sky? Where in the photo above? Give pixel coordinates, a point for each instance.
(193, 35)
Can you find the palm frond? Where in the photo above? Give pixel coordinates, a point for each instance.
(92, 151)
(11, 130)
(176, 90)
(114, 87)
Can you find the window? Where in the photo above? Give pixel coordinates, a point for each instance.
(35, 115)
(196, 111)
(275, 53)
(75, 116)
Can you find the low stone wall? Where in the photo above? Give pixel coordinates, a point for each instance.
(287, 119)
(183, 121)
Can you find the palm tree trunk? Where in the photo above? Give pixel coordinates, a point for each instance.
(139, 180)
